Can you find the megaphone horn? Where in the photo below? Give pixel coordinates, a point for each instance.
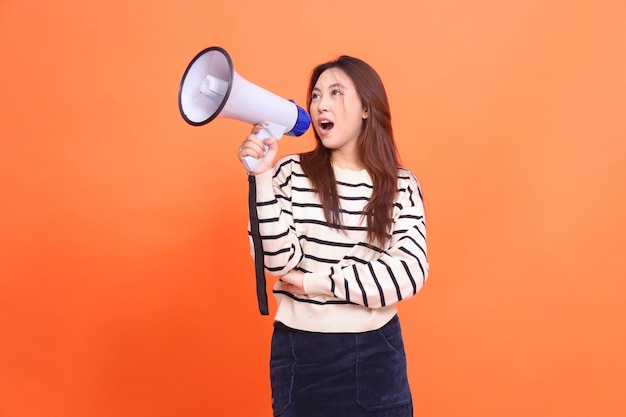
(210, 87)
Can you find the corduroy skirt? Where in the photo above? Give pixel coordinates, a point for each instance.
(339, 374)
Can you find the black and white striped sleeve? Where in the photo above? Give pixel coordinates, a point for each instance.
(281, 248)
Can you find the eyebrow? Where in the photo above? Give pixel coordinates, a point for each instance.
(330, 86)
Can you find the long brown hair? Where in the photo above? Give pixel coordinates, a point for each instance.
(376, 147)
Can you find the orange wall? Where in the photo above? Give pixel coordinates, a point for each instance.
(126, 285)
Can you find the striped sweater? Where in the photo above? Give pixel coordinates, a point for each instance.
(351, 286)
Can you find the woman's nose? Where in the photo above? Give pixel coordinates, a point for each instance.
(322, 105)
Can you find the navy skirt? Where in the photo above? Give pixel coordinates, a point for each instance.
(339, 374)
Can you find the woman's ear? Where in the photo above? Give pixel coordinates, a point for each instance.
(364, 114)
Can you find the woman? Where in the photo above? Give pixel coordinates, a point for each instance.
(343, 227)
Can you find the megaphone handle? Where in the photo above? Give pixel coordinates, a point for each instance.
(269, 130)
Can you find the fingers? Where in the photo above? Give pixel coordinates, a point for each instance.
(251, 146)
(263, 150)
(291, 288)
(254, 146)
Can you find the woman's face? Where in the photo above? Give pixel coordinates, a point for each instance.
(336, 111)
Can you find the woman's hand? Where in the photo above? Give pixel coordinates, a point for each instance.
(255, 147)
(293, 282)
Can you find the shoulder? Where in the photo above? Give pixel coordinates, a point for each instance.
(408, 184)
(288, 162)
(407, 178)
(287, 165)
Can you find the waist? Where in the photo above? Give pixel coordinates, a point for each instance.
(331, 318)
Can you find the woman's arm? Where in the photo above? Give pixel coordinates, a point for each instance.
(281, 247)
(397, 274)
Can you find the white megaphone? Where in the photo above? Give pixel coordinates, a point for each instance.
(210, 88)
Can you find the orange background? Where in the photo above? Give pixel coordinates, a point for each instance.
(126, 284)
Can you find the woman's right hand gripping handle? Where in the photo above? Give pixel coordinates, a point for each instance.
(258, 150)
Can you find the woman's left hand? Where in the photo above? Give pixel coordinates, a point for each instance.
(293, 282)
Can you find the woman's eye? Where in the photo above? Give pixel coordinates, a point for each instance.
(315, 96)
(336, 92)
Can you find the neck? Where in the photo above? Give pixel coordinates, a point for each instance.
(346, 161)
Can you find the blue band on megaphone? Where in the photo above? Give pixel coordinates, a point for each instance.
(302, 124)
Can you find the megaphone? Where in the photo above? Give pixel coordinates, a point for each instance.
(210, 88)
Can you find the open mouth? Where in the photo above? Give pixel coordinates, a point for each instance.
(325, 126)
